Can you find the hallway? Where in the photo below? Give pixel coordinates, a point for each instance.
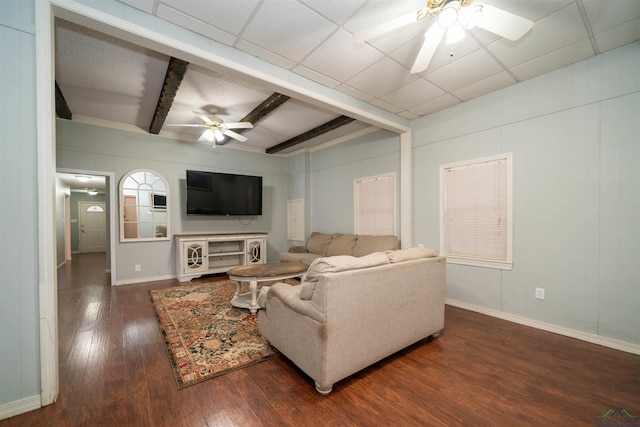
(89, 269)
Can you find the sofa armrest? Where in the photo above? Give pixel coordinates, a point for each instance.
(298, 249)
(289, 296)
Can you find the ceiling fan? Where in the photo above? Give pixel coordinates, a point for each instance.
(453, 17)
(216, 128)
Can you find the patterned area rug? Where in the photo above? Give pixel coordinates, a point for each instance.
(205, 335)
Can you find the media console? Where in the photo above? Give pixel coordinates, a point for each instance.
(200, 254)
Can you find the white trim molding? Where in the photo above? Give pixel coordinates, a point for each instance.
(18, 407)
(144, 279)
(567, 332)
(46, 161)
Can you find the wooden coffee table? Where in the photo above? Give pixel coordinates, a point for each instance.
(261, 273)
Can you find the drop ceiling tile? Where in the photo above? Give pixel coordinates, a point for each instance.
(456, 75)
(230, 17)
(265, 54)
(533, 10)
(386, 106)
(446, 54)
(604, 16)
(412, 94)
(618, 35)
(340, 58)
(355, 93)
(187, 21)
(376, 12)
(315, 76)
(440, 103)
(543, 38)
(143, 5)
(482, 87)
(412, 34)
(381, 78)
(288, 29)
(337, 11)
(554, 60)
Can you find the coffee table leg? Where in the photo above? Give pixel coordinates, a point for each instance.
(253, 285)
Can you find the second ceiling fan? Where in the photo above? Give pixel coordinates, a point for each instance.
(453, 18)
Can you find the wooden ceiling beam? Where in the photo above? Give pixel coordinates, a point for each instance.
(62, 109)
(172, 79)
(317, 131)
(261, 111)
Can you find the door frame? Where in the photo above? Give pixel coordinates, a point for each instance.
(112, 202)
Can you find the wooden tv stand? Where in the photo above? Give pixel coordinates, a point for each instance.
(200, 254)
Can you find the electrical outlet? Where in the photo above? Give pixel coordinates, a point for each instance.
(539, 293)
(137, 267)
(420, 245)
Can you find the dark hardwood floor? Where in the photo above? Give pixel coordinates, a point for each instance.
(482, 371)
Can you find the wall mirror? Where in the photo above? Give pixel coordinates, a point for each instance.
(144, 207)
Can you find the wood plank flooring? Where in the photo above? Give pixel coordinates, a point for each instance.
(482, 371)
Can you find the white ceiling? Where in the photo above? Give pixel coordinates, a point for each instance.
(94, 182)
(113, 82)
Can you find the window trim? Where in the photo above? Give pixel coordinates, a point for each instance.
(475, 261)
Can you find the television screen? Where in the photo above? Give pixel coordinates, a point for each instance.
(159, 202)
(213, 193)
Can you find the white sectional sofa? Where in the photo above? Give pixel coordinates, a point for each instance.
(351, 312)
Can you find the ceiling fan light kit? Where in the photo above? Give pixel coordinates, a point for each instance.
(453, 17)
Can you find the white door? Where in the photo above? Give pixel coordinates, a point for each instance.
(92, 223)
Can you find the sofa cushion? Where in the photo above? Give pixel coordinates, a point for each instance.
(318, 243)
(342, 244)
(410, 254)
(302, 258)
(335, 264)
(368, 244)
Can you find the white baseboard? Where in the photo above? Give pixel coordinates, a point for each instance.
(143, 279)
(572, 333)
(62, 264)
(18, 407)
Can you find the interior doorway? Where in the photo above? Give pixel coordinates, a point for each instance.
(88, 230)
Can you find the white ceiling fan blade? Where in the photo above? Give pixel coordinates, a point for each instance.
(503, 23)
(387, 27)
(189, 125)
(235, 135)
(431, 41)
(239, 125)
(205, 118)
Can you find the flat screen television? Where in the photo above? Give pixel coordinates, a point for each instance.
(214, 193)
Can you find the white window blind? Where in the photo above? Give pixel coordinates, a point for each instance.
(476, 212)
(375, 205)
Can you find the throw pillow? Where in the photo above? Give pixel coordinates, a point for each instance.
(335, 264)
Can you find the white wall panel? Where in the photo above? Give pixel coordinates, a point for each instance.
(20, 367)
(574, 138)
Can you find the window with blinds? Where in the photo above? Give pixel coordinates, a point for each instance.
(375, 205)
(476, 212)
